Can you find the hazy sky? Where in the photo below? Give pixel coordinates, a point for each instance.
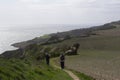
(16, 12)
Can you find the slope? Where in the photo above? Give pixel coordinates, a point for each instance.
(15, 69)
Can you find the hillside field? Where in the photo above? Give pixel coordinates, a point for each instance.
(99, 55)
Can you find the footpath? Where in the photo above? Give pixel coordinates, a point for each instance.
(70, 73)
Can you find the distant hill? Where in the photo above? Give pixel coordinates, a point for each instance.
(39, 43)
(61, 36)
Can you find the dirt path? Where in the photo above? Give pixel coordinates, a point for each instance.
(71, 74)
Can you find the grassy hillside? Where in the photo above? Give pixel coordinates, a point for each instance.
(15, 69)
(98, 56)
(28, 64)
(104, 40)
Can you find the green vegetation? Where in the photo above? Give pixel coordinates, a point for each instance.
(82, 76)
(45, 36)
(15, 69)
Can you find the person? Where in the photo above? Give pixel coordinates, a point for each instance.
(62, 61)
(47, 56)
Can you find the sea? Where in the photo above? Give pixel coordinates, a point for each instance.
(14, 34)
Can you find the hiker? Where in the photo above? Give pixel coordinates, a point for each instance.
(62, 61)
(47, 56)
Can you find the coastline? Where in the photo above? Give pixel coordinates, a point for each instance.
(14, 48)
(26, 33)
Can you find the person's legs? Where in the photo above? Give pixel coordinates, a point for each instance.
(62, 65)
(47, 61)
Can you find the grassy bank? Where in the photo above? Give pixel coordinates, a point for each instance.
(15, 69)
(82, 76)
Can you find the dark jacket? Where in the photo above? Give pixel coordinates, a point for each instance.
(62, 58)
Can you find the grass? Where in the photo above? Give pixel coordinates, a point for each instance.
(82, 76)
(15, 69)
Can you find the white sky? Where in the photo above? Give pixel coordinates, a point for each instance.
(17, 12)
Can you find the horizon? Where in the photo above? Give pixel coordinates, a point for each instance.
(33, 12)
(53, 25)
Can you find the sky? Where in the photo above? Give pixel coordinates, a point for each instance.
(32, 12)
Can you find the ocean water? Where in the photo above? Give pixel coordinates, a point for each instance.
(13, 34)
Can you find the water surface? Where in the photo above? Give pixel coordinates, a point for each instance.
(10, 35)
